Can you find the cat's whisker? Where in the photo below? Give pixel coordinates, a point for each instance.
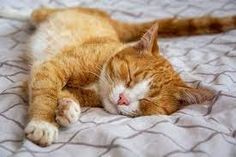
(109, 78)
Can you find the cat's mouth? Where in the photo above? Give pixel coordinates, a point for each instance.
(131, 110)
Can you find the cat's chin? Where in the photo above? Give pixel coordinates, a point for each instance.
(132, 110)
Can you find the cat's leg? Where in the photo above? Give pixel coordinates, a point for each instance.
(69, 102)
(85, 97)
(46, 81)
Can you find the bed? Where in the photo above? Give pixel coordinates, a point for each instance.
(197, 130)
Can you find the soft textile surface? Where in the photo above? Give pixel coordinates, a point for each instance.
(197, 130)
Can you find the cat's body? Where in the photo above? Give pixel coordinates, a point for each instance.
(79, 58)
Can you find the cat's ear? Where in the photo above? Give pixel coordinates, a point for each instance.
(148, 42)
(189, 95)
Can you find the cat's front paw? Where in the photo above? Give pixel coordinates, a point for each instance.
(67, 112)
(41, 132)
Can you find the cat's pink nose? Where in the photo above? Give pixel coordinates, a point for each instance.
(123, 100)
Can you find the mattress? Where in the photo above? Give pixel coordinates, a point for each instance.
(202, 130)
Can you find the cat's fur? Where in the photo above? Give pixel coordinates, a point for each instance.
(79, 59)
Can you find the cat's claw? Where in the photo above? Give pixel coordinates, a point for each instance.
(41, 132)
(67, 112)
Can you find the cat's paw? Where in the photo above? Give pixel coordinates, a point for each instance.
(67, 112)
(41, 132)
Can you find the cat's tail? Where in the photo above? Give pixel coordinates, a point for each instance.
(19, 15)
(173, 27)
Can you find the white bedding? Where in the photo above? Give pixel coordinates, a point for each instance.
(197, 130)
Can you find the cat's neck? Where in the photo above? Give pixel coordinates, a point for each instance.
(92, 58)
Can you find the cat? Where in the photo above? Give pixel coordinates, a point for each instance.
(81, 57)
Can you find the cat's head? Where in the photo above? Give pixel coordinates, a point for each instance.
(139, 81)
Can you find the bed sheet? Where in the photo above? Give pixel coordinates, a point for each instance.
(197, 130)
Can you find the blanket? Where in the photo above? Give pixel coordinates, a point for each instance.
(197, 130)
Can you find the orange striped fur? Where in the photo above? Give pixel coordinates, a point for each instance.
(84, 42)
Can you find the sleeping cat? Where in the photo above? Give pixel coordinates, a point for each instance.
(80, 57)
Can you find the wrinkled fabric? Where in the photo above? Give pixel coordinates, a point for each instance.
(196, 130)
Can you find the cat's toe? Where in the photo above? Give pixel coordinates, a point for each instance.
(41, 132)
(67, 112)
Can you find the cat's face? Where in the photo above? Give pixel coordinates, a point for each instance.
(125, 81)
(137, 79)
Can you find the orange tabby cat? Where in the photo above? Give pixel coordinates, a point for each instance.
(79, 59)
